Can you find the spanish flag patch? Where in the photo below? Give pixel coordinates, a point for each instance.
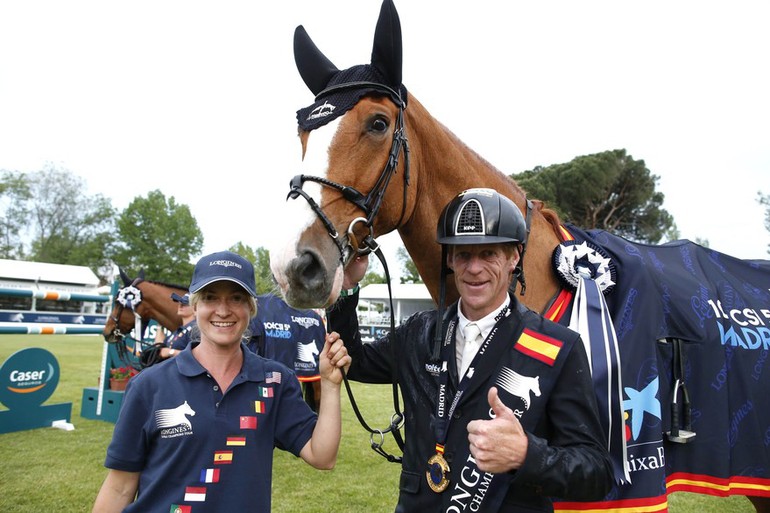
(538, 346)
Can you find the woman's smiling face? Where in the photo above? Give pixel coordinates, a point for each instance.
(223, 312)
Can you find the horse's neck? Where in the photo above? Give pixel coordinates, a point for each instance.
(159, 306)
(441, 167)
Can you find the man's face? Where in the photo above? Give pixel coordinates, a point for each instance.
(482, 275)
(185, 311)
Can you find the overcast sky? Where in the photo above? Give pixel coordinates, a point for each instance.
(198, 99)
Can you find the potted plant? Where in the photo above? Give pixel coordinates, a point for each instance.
(119, 377)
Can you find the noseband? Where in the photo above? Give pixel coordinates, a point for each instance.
(370, 203)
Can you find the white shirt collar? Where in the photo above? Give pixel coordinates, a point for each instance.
(487, 322)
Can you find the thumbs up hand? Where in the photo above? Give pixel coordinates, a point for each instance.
(500, 444)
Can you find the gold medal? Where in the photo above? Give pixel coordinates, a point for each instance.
(438, 469)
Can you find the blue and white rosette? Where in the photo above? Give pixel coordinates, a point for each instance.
(591, 272)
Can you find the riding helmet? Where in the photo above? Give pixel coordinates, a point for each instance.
(481, 216)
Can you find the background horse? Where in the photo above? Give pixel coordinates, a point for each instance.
(152, 301)
(377, 161)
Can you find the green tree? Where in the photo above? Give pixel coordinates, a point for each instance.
(14, 214)
(159, 235)
(409, 270)
(764, 200)
(375, 273)
(260, 257)
(61, 224)
(608, 190)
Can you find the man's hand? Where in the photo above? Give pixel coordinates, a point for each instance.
(500, 444)
(355, 271)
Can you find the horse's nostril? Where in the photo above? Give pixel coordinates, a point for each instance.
(308, 266)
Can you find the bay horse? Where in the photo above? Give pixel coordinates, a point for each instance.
(378, 161)
(147, 298)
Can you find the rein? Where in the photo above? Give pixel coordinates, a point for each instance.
(397, 419)
(370, 205)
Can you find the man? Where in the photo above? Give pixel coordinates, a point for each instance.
(500, 419)
(178, 340)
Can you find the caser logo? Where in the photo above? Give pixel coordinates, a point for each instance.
(28, 377)
(27, 381)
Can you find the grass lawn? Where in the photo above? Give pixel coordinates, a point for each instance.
(53, 470)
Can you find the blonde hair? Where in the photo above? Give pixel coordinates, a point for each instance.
(195, 298)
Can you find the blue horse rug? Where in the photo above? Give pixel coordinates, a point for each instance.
(690, 391)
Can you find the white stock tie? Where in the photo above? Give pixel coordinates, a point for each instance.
(472, 336)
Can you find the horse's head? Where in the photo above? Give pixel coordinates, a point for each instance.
(121, 319)
(353, 145)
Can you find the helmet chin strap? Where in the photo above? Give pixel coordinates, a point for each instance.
(518, 272)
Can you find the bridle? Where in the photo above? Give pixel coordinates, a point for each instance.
(371, 202)
(128, 297)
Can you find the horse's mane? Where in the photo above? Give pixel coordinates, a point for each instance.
(169, 285)
(551, 217)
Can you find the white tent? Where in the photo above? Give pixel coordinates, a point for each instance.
(407, 300)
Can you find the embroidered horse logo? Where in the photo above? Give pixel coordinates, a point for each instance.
(174, 416)
(307, 352)
(518, 385)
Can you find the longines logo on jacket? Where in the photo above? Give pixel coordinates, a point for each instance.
(173, 422)
(519, 386)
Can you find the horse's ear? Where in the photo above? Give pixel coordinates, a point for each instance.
(386, 52)
(124, 277)
(141, 274)
(313, 66)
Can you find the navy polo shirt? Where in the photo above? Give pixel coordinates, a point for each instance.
(289, 335)
(181, 337)
(197, 447)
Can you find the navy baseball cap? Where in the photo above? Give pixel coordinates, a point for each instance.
(185, 300)
(224, 265)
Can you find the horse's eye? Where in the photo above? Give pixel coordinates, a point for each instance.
(379, 125)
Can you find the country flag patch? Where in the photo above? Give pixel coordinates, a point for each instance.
(180, 508)
(223, 457)
(195, 494)
(538, 346)
(273, 377)
(266, 391)
(249, 422)
(236, 440)
(259, 406)
(210, 475)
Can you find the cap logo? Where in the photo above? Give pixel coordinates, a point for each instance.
(226, 263)
(327, 109)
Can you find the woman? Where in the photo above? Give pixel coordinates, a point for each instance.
(196, 432)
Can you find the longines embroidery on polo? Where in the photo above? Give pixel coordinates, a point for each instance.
(306, 353)
(173, 422)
